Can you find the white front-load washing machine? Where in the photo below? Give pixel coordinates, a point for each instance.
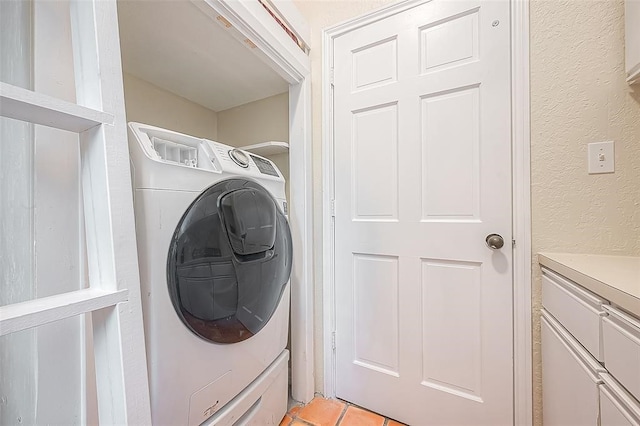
(214, 251)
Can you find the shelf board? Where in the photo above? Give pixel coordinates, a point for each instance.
(32, 313)
(26, 105)
(267, 148)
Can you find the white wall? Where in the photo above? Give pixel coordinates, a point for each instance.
(149, 104)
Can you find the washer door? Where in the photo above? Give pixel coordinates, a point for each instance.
(229, 261)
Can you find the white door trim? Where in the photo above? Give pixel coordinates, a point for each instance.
(523, 391)
(521, 175)
(252, 21)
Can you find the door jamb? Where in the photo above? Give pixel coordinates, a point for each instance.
(254, 23)
(521, 198)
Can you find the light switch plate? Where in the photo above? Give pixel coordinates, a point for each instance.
(600, 157)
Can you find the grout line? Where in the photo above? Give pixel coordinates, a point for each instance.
(298, 419)
(350, 404)
(347, 404)
(344, 411)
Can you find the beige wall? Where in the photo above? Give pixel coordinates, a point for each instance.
(149, 104)
(256, 122)
(321, 14)
(579, 95)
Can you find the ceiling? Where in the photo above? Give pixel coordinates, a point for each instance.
(176, 46)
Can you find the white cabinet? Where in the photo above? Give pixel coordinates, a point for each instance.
(632, 40)
(590, 357)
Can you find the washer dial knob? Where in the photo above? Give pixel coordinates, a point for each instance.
(239, 157)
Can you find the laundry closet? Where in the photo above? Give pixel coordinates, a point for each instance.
(208, 140)
(186, 69)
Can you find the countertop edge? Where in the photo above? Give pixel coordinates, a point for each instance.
(618, 297)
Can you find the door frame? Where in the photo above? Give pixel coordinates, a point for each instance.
(521, 199)
(273, 45)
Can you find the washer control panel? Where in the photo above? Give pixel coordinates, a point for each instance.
(264, 165)
(224, 156)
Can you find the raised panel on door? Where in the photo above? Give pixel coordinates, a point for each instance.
(375, 307)
(449, 42)
(451, 327)
(374, 176)
(450, 124)
(375, 64)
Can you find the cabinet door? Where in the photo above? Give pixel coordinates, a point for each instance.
(569, 385)
(617, 406)
(611, 412)
(621, 335)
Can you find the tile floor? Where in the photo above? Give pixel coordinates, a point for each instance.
(332, 412)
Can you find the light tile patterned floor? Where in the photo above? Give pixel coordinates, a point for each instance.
(332, 412)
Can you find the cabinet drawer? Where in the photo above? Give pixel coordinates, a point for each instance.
(621, 335)
(570, 378)
(578, 310)
(617, 407)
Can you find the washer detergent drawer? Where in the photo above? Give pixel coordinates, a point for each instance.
(569, 378)
(577, 309)
(617, 406)
(621, 334)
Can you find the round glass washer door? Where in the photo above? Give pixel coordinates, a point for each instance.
(229, 261)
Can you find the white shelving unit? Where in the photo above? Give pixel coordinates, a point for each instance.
(267, 148)
(113, 296)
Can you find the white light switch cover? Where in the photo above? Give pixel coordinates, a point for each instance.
(600, 157)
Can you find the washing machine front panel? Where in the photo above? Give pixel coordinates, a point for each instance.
(229, 261)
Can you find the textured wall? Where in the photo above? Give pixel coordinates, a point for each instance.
(149, 104)
(579, 95)
(321, 14)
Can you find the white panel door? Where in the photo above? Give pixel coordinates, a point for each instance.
(422, 176)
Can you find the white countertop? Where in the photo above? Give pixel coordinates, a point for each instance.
(615, 278)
